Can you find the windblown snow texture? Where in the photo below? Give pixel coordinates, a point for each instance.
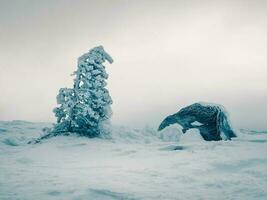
(135, 164)
(210, 119)
(85, 108)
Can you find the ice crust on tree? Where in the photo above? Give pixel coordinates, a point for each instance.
(212, 121)
(85, 108)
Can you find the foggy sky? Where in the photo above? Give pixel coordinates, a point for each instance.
(167, 54)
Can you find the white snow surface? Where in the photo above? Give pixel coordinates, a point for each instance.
(134, 164)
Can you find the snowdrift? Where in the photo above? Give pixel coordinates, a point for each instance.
(133, 164)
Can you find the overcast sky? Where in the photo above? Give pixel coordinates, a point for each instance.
(167, 54)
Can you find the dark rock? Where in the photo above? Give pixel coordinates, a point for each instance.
(210, 119)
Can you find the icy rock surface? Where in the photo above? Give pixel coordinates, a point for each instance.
(85, 108)
(136, 164)
(211, 120)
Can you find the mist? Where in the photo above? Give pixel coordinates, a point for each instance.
(167, 54)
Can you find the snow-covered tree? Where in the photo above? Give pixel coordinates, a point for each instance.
(85, 108)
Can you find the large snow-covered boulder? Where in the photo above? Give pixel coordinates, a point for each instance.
(211, 119)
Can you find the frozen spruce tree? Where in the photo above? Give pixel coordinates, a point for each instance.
(85, 108)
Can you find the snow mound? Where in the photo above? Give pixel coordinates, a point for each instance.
(132, 135)
(171, 133)
(18, 132)
(192, 136)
